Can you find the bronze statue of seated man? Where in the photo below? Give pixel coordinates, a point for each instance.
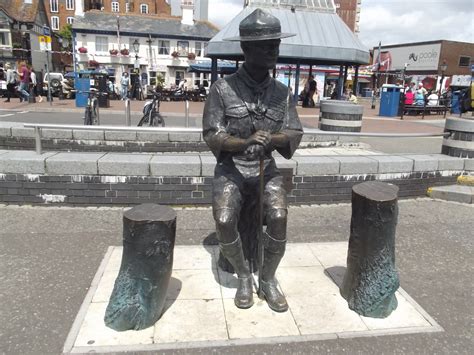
(248, 115)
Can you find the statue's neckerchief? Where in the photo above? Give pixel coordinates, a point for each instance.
(258, 109)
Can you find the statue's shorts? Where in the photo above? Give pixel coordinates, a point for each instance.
(235, 183)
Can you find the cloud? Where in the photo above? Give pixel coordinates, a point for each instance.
(221, 12)
(405, 21)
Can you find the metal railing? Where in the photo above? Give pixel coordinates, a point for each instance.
(308, 131)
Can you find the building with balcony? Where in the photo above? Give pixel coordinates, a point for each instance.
(21, 25)
(156, 46)
(62, 12)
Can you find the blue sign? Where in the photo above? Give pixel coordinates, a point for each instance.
(46, 31)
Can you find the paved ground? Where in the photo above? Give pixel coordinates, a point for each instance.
(48, 257)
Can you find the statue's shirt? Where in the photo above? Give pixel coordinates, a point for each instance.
(238, 106)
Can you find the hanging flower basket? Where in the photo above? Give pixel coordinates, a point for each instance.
(93, 63)
(82, 50)
(113, 51)
(124, 51)
(175, 54)
(191, 56)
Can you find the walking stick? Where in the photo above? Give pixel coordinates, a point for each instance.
(260, 228)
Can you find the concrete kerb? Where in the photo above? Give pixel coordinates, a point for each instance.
(193, 164)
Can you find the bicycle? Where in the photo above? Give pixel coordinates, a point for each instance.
(91, 113)
(151, 112)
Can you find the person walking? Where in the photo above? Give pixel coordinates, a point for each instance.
(311, 90)
(34, 85)
(24, 82)
(124, 83)
(11, 81)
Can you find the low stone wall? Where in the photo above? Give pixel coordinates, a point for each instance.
(13, 136)
(186, 179)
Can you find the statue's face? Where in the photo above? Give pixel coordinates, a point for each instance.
(261, 54)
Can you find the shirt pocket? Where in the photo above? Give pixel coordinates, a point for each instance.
(275, 120)
(238, 121)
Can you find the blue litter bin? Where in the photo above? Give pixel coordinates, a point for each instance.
(367, 92)
(389, 100)
(82, 84)
(456, 102)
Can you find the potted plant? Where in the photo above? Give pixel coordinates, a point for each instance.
(82, 50)
(124, 51)
(191, 56)
(175, 54)
(93, 63)
(113, 51)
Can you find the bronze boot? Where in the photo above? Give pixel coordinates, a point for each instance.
(234, 253)
(273, 252)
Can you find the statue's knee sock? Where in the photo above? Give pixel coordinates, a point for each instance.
(274, 249)
(234, 253)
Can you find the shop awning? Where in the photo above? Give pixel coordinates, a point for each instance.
(223, 67)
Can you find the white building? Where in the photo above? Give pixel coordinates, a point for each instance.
(201, 9)
(166, 45)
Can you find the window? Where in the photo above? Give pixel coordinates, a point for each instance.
(163, 47)
(70, 20)
(127, 7)
(143, 8)
(198, 49)
(54, 5)
(183, 48)
(115, 6)
(101, 44)
(4, 39)
(54, 22)
(69, 4)
(464, 61)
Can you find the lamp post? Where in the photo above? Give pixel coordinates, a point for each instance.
(136, 48)
(136, 82)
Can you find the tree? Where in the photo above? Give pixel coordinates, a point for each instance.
(66, 32)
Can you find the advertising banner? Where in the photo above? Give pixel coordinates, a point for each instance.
(419, 57)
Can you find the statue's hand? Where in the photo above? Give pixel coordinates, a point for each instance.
(262, 138)
(255, 151)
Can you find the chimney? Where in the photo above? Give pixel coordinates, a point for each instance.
(187, 7)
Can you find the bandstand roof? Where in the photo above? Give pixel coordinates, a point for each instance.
(322, 37)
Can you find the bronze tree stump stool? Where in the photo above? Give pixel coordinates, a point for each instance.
(371, 278)
(139, 294)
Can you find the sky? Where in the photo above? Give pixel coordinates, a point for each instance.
(391, 21)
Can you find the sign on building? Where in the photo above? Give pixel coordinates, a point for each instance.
(45, 43)
(419, 57)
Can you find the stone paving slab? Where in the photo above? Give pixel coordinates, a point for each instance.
(200, 311)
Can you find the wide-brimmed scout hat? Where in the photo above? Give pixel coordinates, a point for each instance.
(259, 26)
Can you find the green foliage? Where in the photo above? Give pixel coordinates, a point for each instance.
(160, 81)
(66, 32)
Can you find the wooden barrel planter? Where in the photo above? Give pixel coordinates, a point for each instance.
(341, 116)
(460, 142)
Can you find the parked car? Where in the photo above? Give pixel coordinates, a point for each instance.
(58, 82)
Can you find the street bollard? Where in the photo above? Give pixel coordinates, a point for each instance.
(186, 112)
(128, 121)
(98, 113)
